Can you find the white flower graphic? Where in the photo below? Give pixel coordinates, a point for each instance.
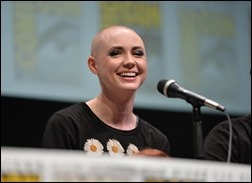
(93, 147)
(114, 148)
(132, 149)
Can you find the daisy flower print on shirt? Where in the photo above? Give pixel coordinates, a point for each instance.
(114, 148)
(93, 147)
(132, 149)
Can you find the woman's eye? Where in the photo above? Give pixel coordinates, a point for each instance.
(139, 53)
(114, 53)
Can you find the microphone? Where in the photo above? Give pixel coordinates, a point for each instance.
(170, 88)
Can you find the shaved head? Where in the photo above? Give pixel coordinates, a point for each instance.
(106, 34)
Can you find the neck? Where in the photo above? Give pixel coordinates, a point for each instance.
(115, 112)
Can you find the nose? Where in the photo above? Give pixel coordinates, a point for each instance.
(129, 62)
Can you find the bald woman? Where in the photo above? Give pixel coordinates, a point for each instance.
(106, 124)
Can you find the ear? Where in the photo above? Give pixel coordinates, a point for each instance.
(92, 64)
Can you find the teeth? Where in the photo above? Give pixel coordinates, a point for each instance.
(130, 74)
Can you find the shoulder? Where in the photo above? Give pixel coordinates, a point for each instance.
(147, 125)
(149, 128)
(243, 120)
(69, 114)
(73, 111)
(239, 125)
(242, 125)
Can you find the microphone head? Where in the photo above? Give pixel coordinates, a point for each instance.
(170, 88)
(160, 85)
(163, 86)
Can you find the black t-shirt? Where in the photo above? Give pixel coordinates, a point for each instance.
(77, 127)
(216, 142)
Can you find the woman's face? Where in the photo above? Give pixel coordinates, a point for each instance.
(120, 60)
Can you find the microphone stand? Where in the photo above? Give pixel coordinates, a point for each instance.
(197, 133)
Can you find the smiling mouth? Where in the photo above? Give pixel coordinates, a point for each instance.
(127, 74)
